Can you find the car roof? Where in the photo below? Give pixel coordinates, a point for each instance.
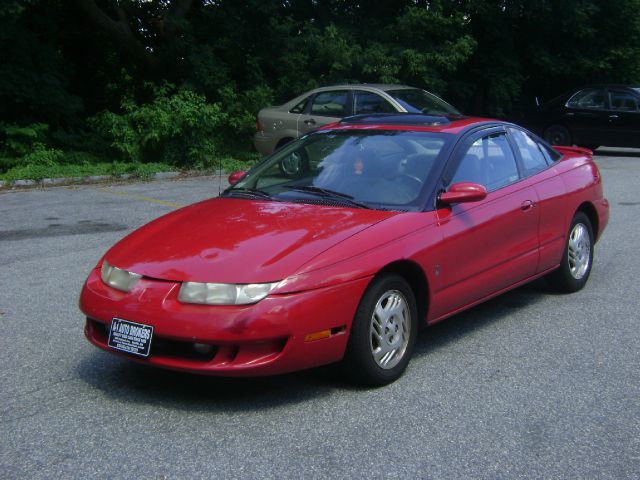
(379, 86)
(606, 85)
(452, 124)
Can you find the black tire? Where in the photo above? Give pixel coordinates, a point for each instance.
(572, 275)
(558, 135)
(359, 362)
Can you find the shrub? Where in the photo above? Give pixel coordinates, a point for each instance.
(178, 127)
(42, 156)
(18, 141)
(241, 108)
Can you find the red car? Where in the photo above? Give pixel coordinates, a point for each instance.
(338, 246)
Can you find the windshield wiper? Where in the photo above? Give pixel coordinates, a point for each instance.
(325, 192)
(248, 192)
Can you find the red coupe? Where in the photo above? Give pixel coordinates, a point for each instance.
(338, 246)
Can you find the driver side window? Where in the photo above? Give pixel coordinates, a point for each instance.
(589, 98)
(489, 161)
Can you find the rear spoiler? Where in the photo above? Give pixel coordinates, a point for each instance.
(578, 150)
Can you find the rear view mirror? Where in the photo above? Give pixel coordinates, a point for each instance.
(463, 192)
(293, 165)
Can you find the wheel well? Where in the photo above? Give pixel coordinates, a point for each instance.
(551, 125)
(283, 142)
(590, 211)
(417, 280)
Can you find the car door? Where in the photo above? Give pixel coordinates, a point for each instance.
(587, 117)
(537, 166)
(324, 108)
(623, 118)
(491, 244)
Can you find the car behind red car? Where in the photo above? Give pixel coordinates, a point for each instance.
(338, 246)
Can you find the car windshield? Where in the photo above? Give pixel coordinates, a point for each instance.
(414, 100)
(367, 169)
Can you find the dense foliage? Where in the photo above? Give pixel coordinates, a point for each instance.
(180, 81)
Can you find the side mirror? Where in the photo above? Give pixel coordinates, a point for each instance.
(463, 192)
(236, 176)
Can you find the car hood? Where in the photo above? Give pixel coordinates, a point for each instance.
(226, 240)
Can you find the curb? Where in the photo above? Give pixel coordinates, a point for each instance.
(54, 182)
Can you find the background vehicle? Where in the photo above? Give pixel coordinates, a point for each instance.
(276, 126)
(388, 222)
(591, 116)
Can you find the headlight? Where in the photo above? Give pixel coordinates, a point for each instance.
(224, 293)
(118, 278)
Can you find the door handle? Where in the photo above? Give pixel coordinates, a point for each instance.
(311, 121)
(613, 117)
(569, 114)
(527, 205)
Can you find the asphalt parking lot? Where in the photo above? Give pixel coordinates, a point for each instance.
(531, 384)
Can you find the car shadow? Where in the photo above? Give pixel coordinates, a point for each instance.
(451, 329)
(126, 381)
(606, 152)
(130, 382)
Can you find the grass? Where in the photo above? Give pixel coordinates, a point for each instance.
(141, 170)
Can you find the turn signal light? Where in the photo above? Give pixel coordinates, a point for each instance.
(310, 337)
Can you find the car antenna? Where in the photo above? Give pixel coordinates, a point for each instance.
(219, 175)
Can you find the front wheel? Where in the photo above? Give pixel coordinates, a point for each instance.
(383, 333)
(575, 267)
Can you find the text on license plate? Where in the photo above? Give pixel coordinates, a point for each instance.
(130, 337)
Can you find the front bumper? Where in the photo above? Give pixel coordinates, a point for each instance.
(602, 208)
(262, 339)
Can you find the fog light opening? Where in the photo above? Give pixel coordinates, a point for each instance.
(203, 348)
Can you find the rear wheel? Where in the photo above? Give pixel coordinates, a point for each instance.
(558, 135)
(577, 259)
(383, 333)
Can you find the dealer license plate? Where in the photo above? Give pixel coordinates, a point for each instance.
(130, 337)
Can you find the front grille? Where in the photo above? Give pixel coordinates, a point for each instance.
(183, 350)
(223, 354)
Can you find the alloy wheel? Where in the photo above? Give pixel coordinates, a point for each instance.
(390, 329)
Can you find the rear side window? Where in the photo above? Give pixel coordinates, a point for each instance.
(550, 154)
(533, 160)
(622, 101)
(368, 102)
(330, 104)
(489, 161)
(589, 98)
